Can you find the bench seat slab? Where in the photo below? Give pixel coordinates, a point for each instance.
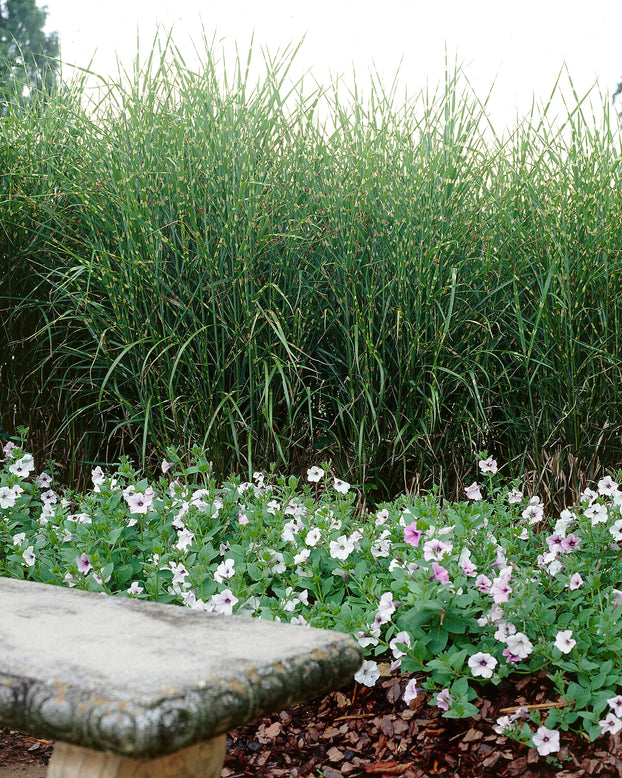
(140, 679)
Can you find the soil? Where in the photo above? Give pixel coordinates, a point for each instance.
(359, 731)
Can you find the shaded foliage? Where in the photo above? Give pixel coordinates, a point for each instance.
(27, 54)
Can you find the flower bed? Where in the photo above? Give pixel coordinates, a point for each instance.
(459, 592)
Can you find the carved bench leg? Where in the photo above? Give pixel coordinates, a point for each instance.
(203, 760)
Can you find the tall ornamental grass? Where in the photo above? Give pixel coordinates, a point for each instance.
(277, 274)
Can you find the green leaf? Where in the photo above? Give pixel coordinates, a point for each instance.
(107, 571)
(255, 572)
(456, 659)
(461, 710)
(579, 694)
(424, 612)
(587, 665)
(454, 622)
(438, 640)
(115, 534)
(460, 687)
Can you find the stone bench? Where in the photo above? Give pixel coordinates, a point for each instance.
(135, 689)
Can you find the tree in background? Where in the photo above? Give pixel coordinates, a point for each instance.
(26, 53)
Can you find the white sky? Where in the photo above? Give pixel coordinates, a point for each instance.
(523, 45)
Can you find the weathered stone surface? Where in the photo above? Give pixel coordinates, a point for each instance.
(142, 679)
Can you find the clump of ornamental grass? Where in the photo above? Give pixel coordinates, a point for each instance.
(462, 593)
(278, 273)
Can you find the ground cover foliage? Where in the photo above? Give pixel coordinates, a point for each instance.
(455, 594)
(283, 274)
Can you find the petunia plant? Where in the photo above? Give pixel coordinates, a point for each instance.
(458, 593)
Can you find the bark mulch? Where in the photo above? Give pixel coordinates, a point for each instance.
(371, 732)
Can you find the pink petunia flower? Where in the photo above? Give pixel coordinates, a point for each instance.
(569, 544)
(444, 699)
(468, 568)
(436, 549)
(84, 564)
(439, 574)
(483, 583)
(510, 658)
(412, 535)
(500, 589)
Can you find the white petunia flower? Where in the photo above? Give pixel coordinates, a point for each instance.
(411, 691)
(616, 530)
(546, 741)
(381, 547)
(402, 638)
(8, 498)
(520, 645)
(534, 512)
(616, 704)
(23, 466)
(341, 548)
(589, 495)
(473, 491)
(482, 664)
(313, 536)
(504, 630)
(224, 571)
(98, 477)
(315, 474)
(368, 673)
(597, 513)
(343, 487)
(28, 556)
(382, 517)
(488, 465)
(277, 562)
(44, 480)
(611, 723)
(564, 641)
(224, 602)
(386, 608)
(514, 496)
(289, 531)
(607, 486)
